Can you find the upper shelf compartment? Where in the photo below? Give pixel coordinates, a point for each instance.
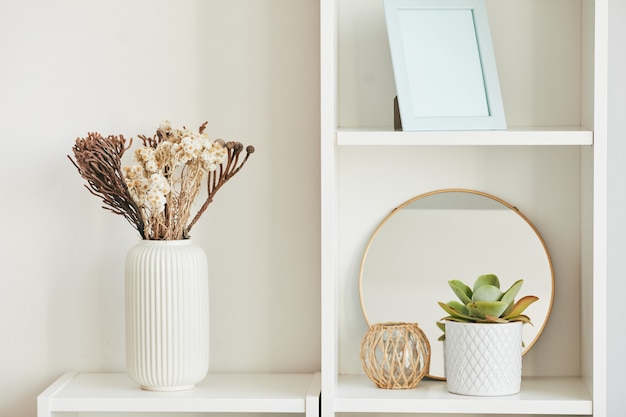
(538, 44)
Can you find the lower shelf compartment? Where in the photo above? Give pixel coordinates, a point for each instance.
(539, 395)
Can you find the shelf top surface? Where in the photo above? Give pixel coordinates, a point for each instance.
(539, 395)
(232, 392)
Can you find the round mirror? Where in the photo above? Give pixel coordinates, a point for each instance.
(444, 235)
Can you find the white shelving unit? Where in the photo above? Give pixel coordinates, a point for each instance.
(78, 393)
(550, 163)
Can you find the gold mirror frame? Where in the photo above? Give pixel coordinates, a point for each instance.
(548, 308)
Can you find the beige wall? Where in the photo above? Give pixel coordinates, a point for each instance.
(248, 67)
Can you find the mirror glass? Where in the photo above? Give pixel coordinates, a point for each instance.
(444, 235)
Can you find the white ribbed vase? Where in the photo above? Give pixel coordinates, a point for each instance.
(483, 359)
(167, 314)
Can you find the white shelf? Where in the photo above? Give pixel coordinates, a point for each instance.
(551, 161)
(539, 395)
(224, 393)
(532, 137)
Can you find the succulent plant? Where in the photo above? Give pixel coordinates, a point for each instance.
(486, 303)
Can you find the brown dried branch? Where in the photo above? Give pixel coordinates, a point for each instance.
(98, 161)
(156, 194)
(219, 177)
(150, 142)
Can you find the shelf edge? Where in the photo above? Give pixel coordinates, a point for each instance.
(538, 137)
(539, 395)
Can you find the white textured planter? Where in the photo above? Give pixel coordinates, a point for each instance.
(167, 314)
(483, 359)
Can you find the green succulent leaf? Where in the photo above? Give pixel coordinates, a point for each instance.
(487, 293)
(441, 326)
(523, 318)
(486, 303)
(511, 293)
(455, 314)
(459, 319)
(460, 307)
(482, 309)
(461, 290)
(521, 305)
(488, 279)
(492, 319)
(508, 309)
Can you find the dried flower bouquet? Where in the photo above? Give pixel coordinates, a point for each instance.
(157, 193)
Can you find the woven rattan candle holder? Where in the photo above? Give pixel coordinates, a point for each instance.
(395, 355)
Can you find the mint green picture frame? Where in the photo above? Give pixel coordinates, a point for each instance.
(444, 65)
